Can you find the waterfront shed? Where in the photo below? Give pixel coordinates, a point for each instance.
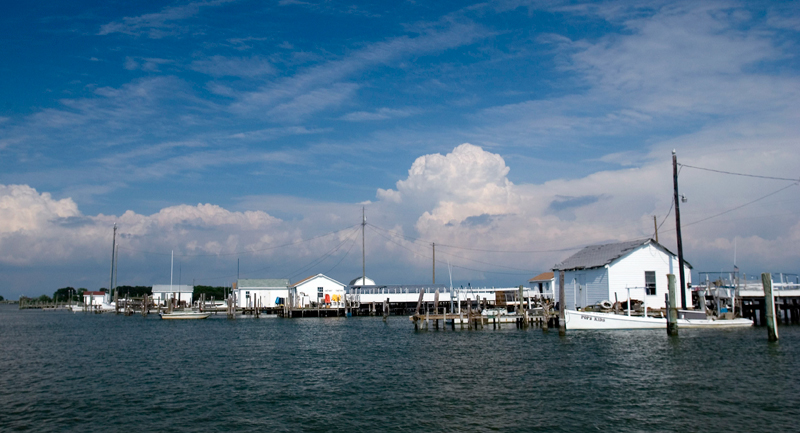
(604, 273)
(543, 284)
(94, 298)
(318, 288)
(181, 292)
(263, 292)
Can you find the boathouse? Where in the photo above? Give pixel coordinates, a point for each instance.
(318, 289)
(600, 273)
(263, 293)
(181, 292)
(544, 285)
(94, 298)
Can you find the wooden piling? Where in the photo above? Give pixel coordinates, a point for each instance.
(562, 301)
(672, 313)
(772, 322)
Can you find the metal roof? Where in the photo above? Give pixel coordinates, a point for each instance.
(544, 276)
(596, 256)
(263, 283)
(176, 288)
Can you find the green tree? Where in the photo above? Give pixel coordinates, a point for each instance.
(2, 299)
(134, 291)
(63, 294)
(217, 292)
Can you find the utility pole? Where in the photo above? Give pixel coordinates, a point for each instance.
(434, 262)
(363, 248)
(678, 229)
(655, 226)
(113, 254)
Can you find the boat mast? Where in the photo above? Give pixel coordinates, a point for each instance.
(363, 250)
(678, 228)
(113, 256)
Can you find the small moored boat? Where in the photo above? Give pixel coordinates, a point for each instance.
(595, 320)
(184, 315)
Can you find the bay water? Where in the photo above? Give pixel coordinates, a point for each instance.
(63, 371)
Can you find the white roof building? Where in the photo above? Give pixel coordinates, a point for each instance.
(320, 289)
(605, 273)
(181, 292)
(263, 292)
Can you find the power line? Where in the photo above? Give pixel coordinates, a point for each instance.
(426, 242)
(739, 174)
(740, 206)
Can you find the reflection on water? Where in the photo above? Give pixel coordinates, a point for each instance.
(63, 371)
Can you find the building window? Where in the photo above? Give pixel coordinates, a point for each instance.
(650, 282)
(319, 293)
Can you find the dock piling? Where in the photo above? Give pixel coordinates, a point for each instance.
(772, 322)
(672, 313)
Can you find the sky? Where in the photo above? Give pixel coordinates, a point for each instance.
(246, 138)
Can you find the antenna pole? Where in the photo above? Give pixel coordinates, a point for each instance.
(434, 262)
(363, 248)
(113, 254)
(655, 226)
(678, 229)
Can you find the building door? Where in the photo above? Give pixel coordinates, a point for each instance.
(582, 295)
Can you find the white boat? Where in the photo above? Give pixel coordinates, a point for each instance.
(594, 320)
(184, 315)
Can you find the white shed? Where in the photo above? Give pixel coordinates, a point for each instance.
(320, 289)
(264, 292)
(543, 285)
(95, 298)
(181, 292)
(605, 273)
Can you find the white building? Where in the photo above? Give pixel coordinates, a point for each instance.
(362, 281)
(264, 293)
(95, 298)
(181, 292)
(543, 285)
(605, 273)
(320, 289)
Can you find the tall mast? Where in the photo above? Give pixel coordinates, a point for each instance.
(363, 250)
(113, 254)
(678, 228)
(434, 262)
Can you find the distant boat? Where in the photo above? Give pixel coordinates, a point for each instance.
(184, 315)
(593, 320)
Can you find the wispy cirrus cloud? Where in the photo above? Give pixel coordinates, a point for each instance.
(221, 66)
(383, 113)
(316, 79)
(158, 24)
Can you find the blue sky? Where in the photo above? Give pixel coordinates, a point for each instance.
(221, 129)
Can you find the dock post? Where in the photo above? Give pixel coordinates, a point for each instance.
(469, 313)
(386, 309)
(672, 313)
(562, 301)
(769, 299)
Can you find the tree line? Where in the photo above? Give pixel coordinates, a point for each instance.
(67, 294)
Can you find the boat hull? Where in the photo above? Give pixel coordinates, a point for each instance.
(576, 320)
(184, 316)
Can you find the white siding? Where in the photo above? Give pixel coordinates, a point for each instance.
(266, 296)
(629, 271)
(307, 291)
(587, 286)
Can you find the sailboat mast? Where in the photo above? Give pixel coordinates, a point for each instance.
(363, 248)
(678, 228)
(113, 254)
